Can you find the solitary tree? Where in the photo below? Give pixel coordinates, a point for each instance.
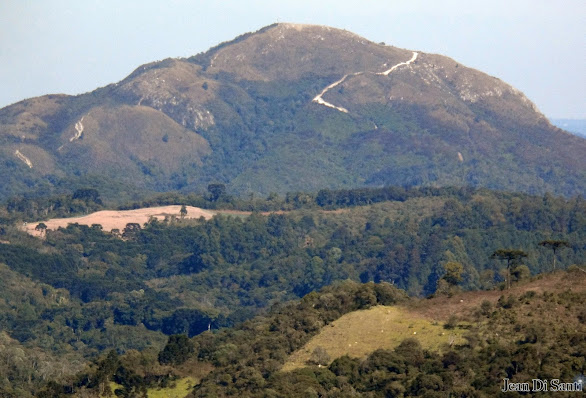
(183, 211)
(554, 245)
(512, 256)
(319, 356)
(178, 349)
(453, 273)
(41, 227)
(448, 283)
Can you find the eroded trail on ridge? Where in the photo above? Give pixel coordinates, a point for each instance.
(321, 101)
(319, 98)
(387, 72)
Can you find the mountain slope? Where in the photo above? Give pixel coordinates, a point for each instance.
(534, 330)
(574, 126)
(293, 107)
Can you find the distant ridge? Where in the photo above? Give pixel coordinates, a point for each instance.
(574, 126)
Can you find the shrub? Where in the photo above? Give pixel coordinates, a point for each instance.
(178, 349)
(452, 322)
(319, 356)
(486, 308)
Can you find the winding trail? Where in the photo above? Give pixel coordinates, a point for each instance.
(321, 101)
(319, 98)
(413, 58)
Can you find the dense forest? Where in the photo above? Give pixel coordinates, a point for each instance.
(505, 339)
(81, 291)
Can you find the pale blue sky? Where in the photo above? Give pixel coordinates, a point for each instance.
(75, 46)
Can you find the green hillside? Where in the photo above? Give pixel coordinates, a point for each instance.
(289, 108)
(79, 291)
(535, 330)
(355, 190)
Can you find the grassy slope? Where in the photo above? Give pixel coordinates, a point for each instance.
(179, 389)
(360, 333)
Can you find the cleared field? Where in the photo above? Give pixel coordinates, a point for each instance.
(465, 303)
(117, 219)
(359, 333)
(112, 219)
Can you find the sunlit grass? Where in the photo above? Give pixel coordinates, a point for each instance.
(179, 389)
(359, 333)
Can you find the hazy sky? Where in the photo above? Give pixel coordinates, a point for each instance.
(75, 46)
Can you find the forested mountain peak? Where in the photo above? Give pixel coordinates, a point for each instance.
(290, 107)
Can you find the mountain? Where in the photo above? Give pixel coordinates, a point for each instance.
(289, 107)
(575, 126)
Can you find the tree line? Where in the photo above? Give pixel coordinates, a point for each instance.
(188, 276)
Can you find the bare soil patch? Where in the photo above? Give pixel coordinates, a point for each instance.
(117, 219)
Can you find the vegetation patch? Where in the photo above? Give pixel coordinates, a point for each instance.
(360, 333)
(180, 389)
